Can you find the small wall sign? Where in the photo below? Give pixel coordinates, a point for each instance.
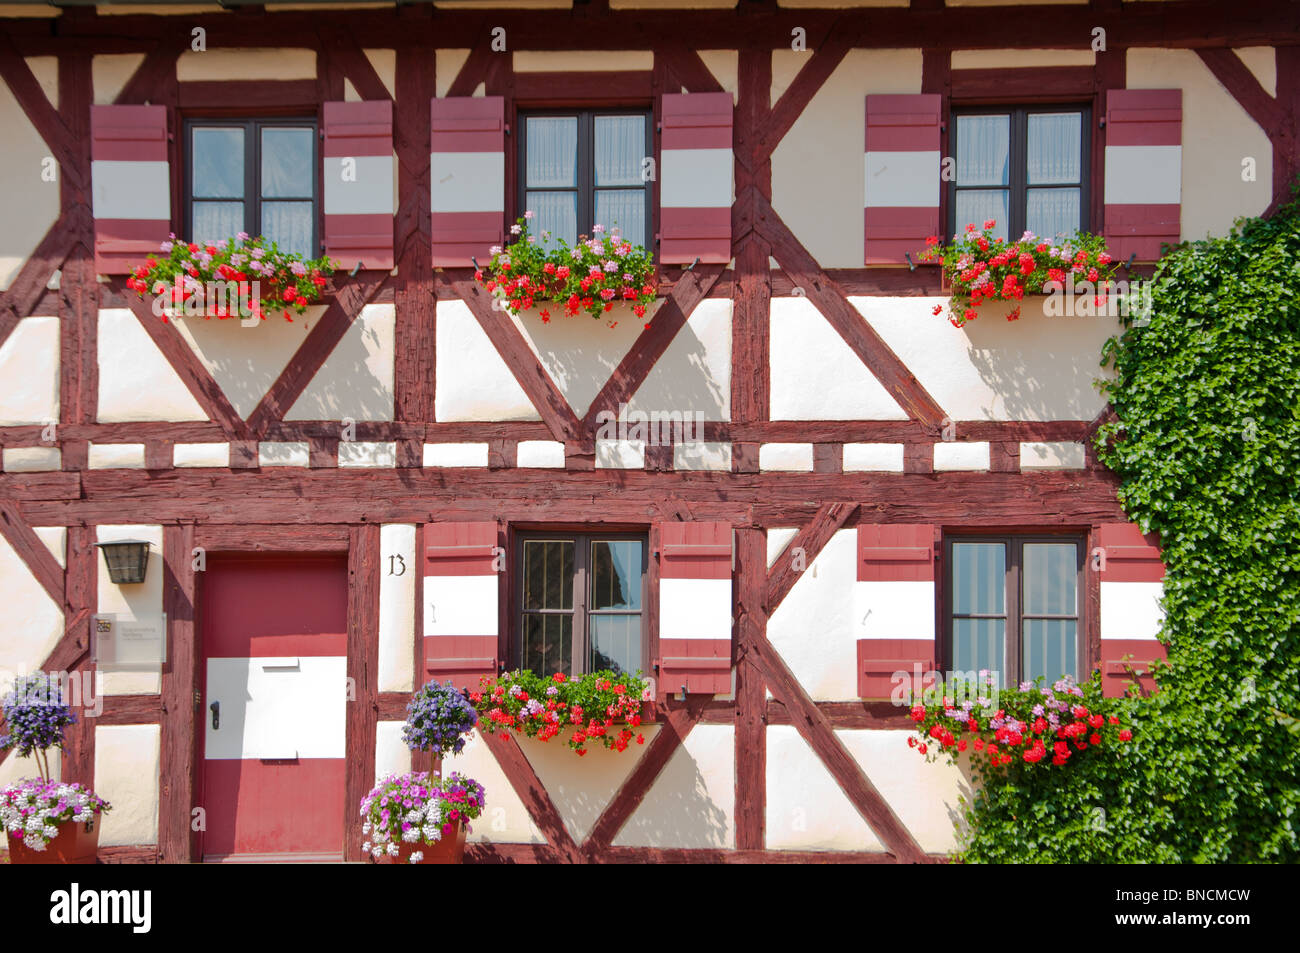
(129, 644)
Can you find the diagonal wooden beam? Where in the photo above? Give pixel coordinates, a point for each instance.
(812, 539)
(34, 554)
(1236, 77)
(532, 792)
(311, 354)
(519, 357)
(805, 86)
(474, 70)
(36, 105)
(154, 80)
(691, 288)
(633, 791)
(18, 300)
(355, 65)
(71, 648)
(834, 304)
(688, 70)
(196, 378)
(816, 729)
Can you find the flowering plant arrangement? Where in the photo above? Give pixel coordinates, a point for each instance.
(982, 268)
(33, 809)
(417, 808)
(240, 277)
(590, 276)
(1029, 726)
(35, 717)
(541, 707)
(438, 719)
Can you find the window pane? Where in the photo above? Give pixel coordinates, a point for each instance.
(548, 574)
(978, 578)
(979, 205)
(1049, 578)
(548, 643)
(1055, 147)
(288, 224)
(556, 213)
(620, 150)
(616, 574)
(287, 162)
(552, 146)
(217, 163)
(216, 220)
(983, 150)
(1047, 649)
(1052, 212)
(616, 642)
(978, 644)
(623, 209)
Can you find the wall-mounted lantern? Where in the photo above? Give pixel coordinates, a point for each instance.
(127, 560)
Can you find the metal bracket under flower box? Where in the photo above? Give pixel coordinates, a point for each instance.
(129, 643)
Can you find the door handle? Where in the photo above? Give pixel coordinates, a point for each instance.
(215, 708)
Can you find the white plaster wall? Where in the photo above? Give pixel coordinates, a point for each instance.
(31, 459)
(385, 64)
(961, 456)
(447, 66)
(806, 808)
(55, 539)
(31, 204)
(1262, 61)
(825, 145)
(1037, 368)
(456, 454)
(391, 754)
(1217, 135)
(692, 803)
(540, 453)
(201, 455)
(725, 67)
(693, 375)
(283, 453)
(111, 72)
(133, 601)
(504, 819)
(15, 769)
(873, 456)
(702, 455)
(397, 607)
(126, 775)
(135, 380)
(813, 627)
(354, 453)
(778, 539)
(790, 457)
(29, 373)
(114, 456)
(620, 454)
(356, 380)
(815, 375)
(582, 787)
(1052, 455)
(472, 380)
(33, 622)
(222, 64)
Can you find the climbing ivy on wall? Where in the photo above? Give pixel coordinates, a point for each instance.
(1207, 447)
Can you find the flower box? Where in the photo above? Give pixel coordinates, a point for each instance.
(76, 843)
(449, 850)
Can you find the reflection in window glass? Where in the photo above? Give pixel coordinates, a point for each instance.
(287, 168)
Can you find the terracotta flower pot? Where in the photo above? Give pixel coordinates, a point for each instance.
(76, 843)
(449, 850)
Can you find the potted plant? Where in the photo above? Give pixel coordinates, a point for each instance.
(422, 817)
(47, 822)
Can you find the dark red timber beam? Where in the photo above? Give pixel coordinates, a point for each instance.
(533, 794)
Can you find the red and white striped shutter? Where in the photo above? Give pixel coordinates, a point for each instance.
(1144, 162)
(695, 178)
(131, 185)
(1131, 586)
(461, 601)
(358, 154)
(901, 168)
(468, 178)
(894, 605)
(695, 619)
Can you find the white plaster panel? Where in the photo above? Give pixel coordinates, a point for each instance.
(582, 788)
(385, 65)
(201, 455)
(33, 621)
(692, 802)
(448, 67)
(14, 768)
(31, 204)
(724, 65)
(1057, 455)
(356, 380)
(468, 181)
(29, 373)
(397, 607)
(110, 73)
(283, 453)
(369, 193)
(806, 807)
(873, 456)
(1144, 175)
(695, 178)
(702, 455)
(455, 454)
(460, 605)
(1262, 61)
(815, 375)
(694, 374)
(214, 64)
(694, 608)
(135, 380)
(131, 190)
(505, 819)
(952, 455)
(55, 539)
(472, 380)
(362, 453)
(540, 453)
(277, 707)
(791, 457)
(131, 601)
(901, 179)
(894, 609)
(620, 454)
(777, 540)
(391, 754)
(126, 775)
(111, 456)
(1131, 610)
(32, 459)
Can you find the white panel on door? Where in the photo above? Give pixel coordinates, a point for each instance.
(277, 707)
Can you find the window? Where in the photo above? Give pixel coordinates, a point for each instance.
(255, 176)
(1013, 606)
(580, 600)
(1025, 168)
(581, 169)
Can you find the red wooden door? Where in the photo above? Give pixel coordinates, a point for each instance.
(274, 633)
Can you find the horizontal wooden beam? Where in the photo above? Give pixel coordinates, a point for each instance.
(241, 95)
(1036, 84)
